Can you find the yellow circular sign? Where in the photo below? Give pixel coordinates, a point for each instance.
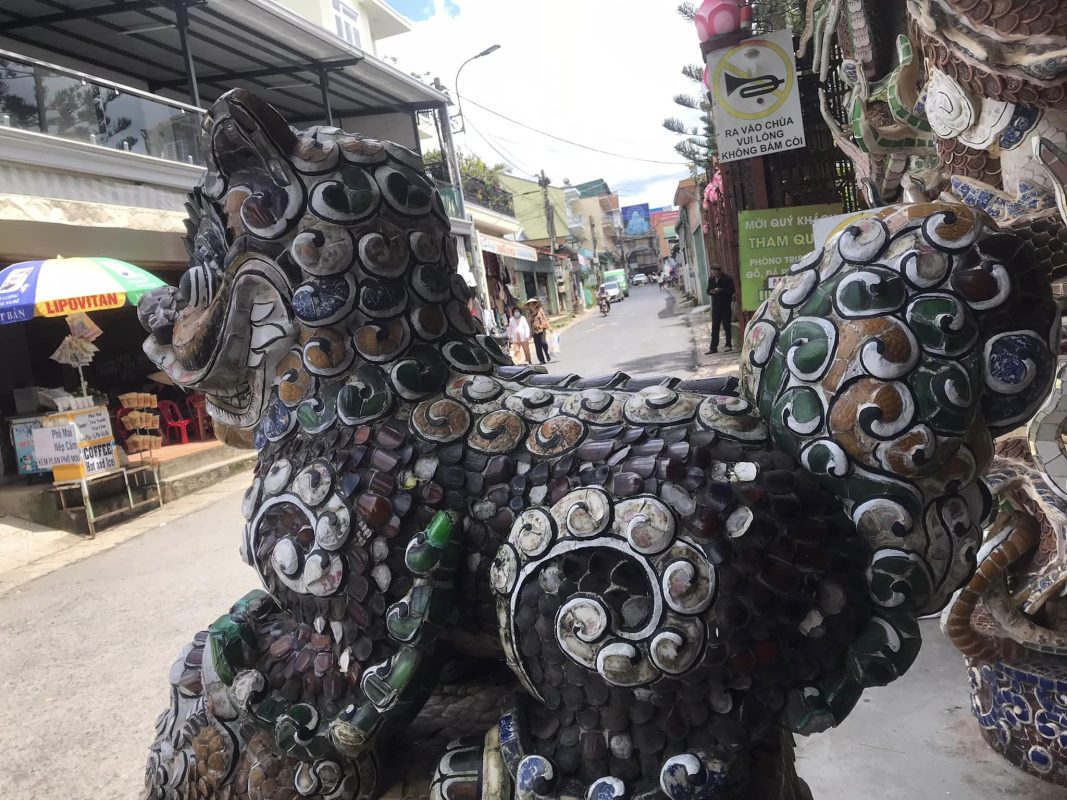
(752, 86)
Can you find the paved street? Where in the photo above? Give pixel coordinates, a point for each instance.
(86, 648)
(86, 652)
(644, 334)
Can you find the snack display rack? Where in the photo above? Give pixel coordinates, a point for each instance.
(141, 421)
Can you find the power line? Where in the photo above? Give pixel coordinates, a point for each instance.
(500, 151)
(571, 142)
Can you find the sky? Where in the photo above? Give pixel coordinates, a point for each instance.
(598, 72)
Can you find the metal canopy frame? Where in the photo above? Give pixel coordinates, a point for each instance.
(303, 70)
(115, 7)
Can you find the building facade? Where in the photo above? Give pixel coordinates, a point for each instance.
(360, 23)
(555, 225)
(691, 254)
(99, 134)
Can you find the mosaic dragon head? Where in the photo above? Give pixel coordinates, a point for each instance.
(312, 254)
(955, 97)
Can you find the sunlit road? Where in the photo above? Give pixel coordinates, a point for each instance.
(643, 335)
(86, 653)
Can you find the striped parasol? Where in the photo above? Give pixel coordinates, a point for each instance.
(56, 287)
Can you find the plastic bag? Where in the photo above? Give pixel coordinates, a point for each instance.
(82, 327)
(553, 344)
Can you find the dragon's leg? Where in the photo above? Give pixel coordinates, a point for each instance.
(394, 690)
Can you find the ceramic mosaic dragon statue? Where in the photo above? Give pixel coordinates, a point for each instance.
(962, 99)
(678, 574)
(965, 98)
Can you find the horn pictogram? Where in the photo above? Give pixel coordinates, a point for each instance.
(753, 87)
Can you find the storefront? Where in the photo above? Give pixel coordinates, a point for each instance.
(507, 264)
(34, 229)
(540, 279)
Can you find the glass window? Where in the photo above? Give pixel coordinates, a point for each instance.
(35, 97)
(346, 19)
(140, 125)
(71, 106)
(18, 96)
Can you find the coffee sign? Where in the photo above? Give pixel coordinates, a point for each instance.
(76, 444)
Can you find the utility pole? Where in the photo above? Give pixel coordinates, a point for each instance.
(452, 155)
(550, 221)
(543, 182)
(596, 258)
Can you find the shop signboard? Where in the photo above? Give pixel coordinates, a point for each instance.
(505, 247)
(665, 218)
(56, 446)
(76, 444)
(771, 241)
(755, 100)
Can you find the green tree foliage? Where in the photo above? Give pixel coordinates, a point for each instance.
(481, 181)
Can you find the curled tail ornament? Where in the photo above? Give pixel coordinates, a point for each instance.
(886, 362)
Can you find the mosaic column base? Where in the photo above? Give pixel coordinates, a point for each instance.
(1021, 707)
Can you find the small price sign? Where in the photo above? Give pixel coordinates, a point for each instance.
(93, 425)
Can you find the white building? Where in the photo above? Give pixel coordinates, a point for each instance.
(361, 23)
(99, 118)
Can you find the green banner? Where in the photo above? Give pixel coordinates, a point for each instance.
(770, 242)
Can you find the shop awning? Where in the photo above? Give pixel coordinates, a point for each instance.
(543, 265)
(502, 247)
(257, 44)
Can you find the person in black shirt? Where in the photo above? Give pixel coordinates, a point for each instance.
(721, 292)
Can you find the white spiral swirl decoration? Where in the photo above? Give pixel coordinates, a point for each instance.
(949, 108)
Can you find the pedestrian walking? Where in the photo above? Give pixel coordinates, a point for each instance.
(519, 336)
(721, 291)
(535, 313)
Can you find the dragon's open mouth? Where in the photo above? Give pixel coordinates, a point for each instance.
(235, 401)
(227, 350)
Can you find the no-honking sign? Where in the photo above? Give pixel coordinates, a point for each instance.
(755, 99)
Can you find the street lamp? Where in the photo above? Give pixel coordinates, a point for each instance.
(459, 100)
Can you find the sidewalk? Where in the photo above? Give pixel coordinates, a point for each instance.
(29, 551)
(709, 366)
(561, 322)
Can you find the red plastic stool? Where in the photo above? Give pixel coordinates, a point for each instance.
(173, 420)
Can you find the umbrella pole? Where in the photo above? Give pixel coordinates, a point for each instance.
(81, 377)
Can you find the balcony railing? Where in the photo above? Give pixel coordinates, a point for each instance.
(43, 98)
(475, 190)
(491, 197)
(450, 198)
